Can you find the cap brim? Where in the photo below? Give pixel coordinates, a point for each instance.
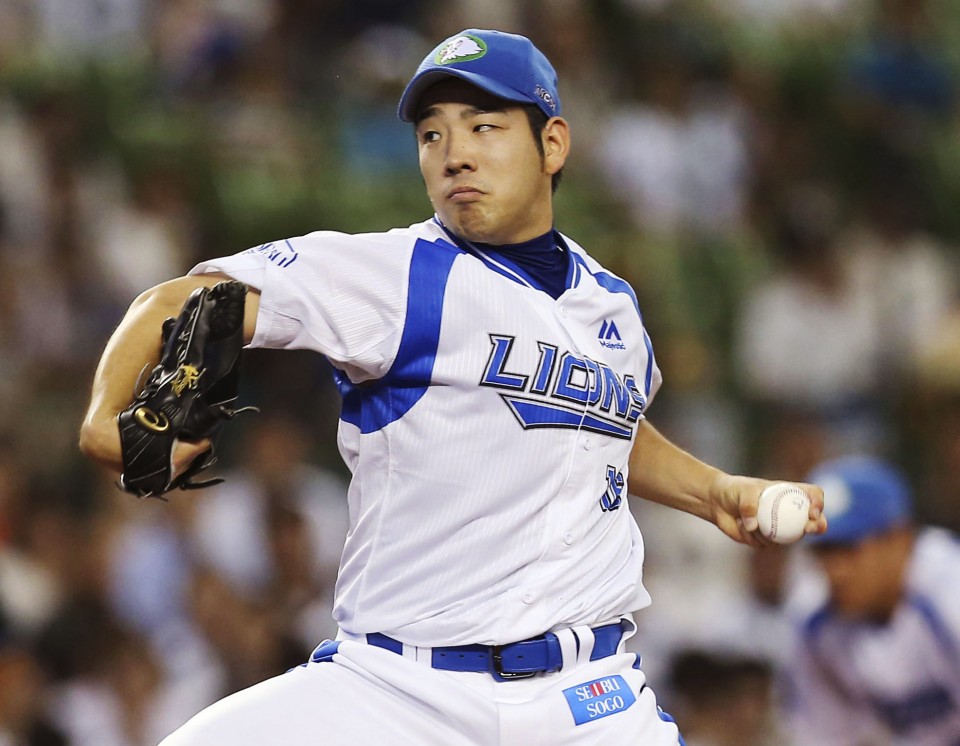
(836, 536)
(849, 532)
(407, 109)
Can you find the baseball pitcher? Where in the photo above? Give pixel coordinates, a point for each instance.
(495, 384)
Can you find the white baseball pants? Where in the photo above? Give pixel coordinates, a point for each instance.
(363, 694)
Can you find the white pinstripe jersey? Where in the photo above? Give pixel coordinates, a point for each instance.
(487, 427)
(893, 683)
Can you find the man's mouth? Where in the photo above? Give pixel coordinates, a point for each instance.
(463, 194)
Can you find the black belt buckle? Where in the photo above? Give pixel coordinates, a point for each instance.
(498, 666)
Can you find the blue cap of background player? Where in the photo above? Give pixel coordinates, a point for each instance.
(863, 497)
(505, 65)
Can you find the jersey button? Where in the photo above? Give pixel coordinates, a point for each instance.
(586, 444)
(528, 598)
(568, 538)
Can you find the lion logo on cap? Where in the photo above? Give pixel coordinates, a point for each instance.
(461, 49)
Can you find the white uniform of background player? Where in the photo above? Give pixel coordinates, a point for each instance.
(866, 678)
(491, 567)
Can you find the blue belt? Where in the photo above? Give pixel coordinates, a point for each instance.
(516, 660)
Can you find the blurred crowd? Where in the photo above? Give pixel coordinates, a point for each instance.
(777, 179)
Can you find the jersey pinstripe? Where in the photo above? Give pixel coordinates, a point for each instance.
(475, 407)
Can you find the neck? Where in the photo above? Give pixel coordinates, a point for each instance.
(527, 239)
(543, 242)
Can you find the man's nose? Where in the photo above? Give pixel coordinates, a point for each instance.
(459, 155)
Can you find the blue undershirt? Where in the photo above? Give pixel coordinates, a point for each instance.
(541, 259)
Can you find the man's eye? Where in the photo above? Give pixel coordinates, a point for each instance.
(484, 128)
(430, 136)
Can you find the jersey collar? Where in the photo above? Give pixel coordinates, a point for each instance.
(513, 272)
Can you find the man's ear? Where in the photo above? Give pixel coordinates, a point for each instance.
(556, 144)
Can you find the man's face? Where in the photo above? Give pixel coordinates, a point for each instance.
(864, 578)
(483, 171)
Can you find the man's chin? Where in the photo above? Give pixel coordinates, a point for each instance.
(470, 228)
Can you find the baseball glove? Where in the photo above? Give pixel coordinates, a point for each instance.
(188, 395)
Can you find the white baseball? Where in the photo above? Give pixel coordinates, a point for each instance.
(783, 512)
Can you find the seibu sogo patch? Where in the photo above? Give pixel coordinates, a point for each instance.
(596, 699)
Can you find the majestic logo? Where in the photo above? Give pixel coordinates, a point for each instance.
(599, 698)
(566, 391)
(609, 336)
(461, 49)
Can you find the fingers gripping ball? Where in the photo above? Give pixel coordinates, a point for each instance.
(783, 512)
(188, 395)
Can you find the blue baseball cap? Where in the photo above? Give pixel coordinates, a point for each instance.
(506, 65)
(863, 497)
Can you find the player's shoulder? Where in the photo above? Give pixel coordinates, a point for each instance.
(583, 257)
(933, 577)
(330, 246)
(426, 230)
(936, 560)
(389, 237)
(398, 238)
(585, 264)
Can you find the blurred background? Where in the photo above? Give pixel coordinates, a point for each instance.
(778, 179)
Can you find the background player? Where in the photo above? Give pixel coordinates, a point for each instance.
(495, 381)
(880, 662)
